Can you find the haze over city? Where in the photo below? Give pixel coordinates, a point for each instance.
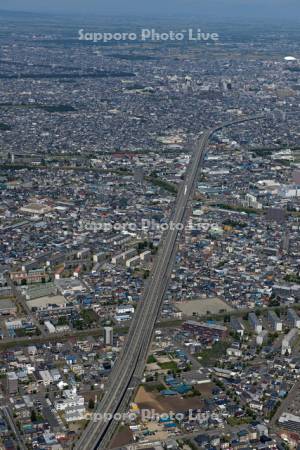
(217, 9)
(149, 225)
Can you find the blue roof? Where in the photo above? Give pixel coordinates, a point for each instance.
(169, 378)
(183, 389)
(164, 419)
(168, 392)
(170, 425)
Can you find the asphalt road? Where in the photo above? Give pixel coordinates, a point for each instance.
(8, 415)
(129, 367)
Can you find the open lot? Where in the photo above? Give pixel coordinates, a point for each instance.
(161, 404)
(202, 306)
(123, 437)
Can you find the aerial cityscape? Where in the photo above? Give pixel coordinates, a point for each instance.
(149, 227)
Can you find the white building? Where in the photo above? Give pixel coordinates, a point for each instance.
(72, 405)
(255, 323)
(122, 317)
(293, 318)
(261, 337)
(274, 321)
(132, 262)
(125, 309)
(55, 374)
(145, 256)
(289, 419)
(237, 325)
(35, 208)
(74, 414)
(50, 327)
(234, 352)
(70, 400)
(13, 324)
(122, 256)
(46, 377)
(99, 257)
(32, 350)
(108, 335)
(251, 202)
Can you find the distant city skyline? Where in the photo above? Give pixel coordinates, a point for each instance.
(273, 9)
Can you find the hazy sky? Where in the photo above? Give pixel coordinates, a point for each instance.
(227, 8)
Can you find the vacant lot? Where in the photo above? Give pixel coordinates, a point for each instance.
(204, 306)
(123, 437)
(161, 404)
(205, 390)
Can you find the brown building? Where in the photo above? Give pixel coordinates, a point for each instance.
(206, 331)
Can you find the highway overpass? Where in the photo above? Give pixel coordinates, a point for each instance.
(128, 370)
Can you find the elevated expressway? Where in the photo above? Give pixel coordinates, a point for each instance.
(128, 370)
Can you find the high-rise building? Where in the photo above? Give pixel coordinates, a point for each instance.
(274, 321)
(139, 175)
(11, 383)
(285, 243)
(108, 335)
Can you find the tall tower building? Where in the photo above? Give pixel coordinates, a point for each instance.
(11, 383)
(108, 335)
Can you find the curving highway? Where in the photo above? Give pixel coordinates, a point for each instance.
(129, 367)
